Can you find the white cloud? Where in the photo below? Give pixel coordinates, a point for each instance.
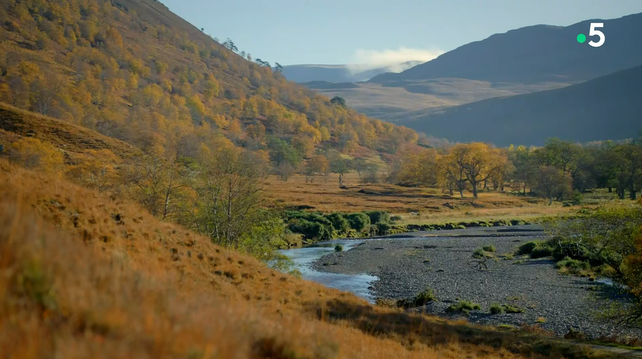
(364, 59)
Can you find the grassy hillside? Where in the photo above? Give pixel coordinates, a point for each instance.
(73, 139)
(134, 71)
(604, 108)
(88, 276)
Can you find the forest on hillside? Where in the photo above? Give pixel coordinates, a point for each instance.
(113, 67)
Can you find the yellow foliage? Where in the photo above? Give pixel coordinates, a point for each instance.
(30, 152)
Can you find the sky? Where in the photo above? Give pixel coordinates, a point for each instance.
(377, 32)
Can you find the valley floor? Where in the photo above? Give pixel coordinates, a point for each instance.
(442, 261)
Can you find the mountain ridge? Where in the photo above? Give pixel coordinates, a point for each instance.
(607, 107)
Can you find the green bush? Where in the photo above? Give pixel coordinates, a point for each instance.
(358, 221)
(541, 250)
(577, 198)
(383, 227)
(463, 307)
(311, 230)
(378, 216)
(527, 247)
(480, 253)
(512, 309)
(572, 266)
(489, 248)
(421, 299)
(338, 248)
(496, 309)
(339, 222)
(395, 218)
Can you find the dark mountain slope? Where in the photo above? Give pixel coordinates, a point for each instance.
(536, 54)
(609, 107)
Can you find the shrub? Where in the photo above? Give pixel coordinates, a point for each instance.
(338, 248)
(489, 248)
(311, 230)
(480, 253)
(577, 197)
(358, 221)
(378, 216)
(463, 307)
(395, 218)
(383, 227)
(421, 299)
(496, 309)
(541, 250)
(527, 247)
(572, 266)
(512, 309)
(339, 222)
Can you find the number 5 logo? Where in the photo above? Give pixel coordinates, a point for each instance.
(593, 32)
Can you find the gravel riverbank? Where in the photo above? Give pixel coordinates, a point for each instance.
(442, 261)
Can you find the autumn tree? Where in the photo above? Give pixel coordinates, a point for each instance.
(228, 195)
(32, 153)
(317, 165)
(477, 162)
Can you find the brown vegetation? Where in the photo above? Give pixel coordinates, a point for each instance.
(88, 276)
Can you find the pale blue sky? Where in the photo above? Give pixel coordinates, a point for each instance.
(356, 31)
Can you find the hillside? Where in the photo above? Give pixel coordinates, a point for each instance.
(134, 71)
(604, 108)
(87, 276)
(74, 140)
(536, 54)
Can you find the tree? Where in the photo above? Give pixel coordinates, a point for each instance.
(628, 167)
(477, 162)
(561, 154)
(551, 182)
(282, 153)
(317, 165)
(337, 100)
(278, 67)
(31, 153)
(97, 171)
(525, 165)
(453, 176)
(229, 44)
(228, 195)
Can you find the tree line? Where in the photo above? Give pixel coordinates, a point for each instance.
(554, 171)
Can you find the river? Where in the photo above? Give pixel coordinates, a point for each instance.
(303, 257)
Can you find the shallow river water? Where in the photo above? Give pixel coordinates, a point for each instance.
(303, 257)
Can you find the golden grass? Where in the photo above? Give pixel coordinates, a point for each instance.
(73, 139)
(89, 276)
(414, 205)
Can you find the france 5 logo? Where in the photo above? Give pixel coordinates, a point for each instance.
(581, 38)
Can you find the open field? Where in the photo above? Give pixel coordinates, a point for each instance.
(414, 205)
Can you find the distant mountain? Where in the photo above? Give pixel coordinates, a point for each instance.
(339, 73)
(609, 107)
(535, 54)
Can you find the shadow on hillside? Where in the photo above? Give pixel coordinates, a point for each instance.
(414, 328)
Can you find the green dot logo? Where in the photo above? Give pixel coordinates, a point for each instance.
(581, 38)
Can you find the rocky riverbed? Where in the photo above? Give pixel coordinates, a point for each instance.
(442, 261)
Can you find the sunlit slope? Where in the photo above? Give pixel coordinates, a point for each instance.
(89, 276)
